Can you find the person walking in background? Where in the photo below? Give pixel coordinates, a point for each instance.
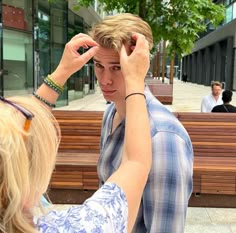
(226, 106)
(165, 198)
(184, 77)
(213, 99)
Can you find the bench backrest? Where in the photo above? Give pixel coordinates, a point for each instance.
(161, 89)
(80, 130)
(212, 134)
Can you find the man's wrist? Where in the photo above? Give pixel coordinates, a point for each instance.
(135, 93)
(134, 88)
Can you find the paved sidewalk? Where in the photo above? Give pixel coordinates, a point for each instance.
(187, 98)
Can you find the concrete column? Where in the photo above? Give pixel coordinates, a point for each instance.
(234, 74)
(207, 66)
(212, 76)
(229, 64)
(218, 62)
(189, 68)
(203, 55)
(199, 67)
(194, 67)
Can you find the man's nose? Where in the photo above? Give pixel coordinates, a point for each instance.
(106, 78)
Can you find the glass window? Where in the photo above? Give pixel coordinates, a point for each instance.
(59, 37)
(76, 82)
(229, 14)
(226, 2)
(17, 63)
(17, 50)
(50, 39)
(43, 45)
(234, 10)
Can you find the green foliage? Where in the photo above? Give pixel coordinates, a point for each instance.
(182, 21)
(177, 21)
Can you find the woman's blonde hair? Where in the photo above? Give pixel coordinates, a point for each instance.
(114, 30)
(27, 161)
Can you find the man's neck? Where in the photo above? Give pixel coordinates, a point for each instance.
(216, 97)
(120, 109)
(119, 115)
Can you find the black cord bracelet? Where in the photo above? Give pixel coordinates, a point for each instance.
(135, 93)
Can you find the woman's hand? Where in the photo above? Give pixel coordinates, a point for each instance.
(72, 60)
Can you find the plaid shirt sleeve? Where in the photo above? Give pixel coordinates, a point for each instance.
(166, 195)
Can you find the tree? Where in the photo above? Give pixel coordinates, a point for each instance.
(177, 21)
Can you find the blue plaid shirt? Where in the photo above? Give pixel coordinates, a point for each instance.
(169, 186)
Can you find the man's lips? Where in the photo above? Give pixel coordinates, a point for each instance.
(108, 92)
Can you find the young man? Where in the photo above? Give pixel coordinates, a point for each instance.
(213, 99)
(169, 186)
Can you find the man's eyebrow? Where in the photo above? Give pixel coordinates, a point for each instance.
(112, 62)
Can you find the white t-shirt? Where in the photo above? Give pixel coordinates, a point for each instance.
(209, 102)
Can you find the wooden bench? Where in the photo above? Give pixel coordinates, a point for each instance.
(213, 137)
(153, 81)
(162, 91)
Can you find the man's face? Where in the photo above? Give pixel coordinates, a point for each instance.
(109, 75)
(216, 90)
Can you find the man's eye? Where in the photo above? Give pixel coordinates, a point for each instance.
(116, 67)
(98, 65)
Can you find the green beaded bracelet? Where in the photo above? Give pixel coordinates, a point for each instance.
(49, 77)
(53, 84)
(43, 100)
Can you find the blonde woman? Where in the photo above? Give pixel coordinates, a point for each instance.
(29, 139)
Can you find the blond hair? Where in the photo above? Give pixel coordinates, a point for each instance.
(27, 161)
(114, 30)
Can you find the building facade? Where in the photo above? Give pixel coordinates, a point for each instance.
(32, 39)
(213, 57)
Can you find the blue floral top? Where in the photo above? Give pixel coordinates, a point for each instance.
(105, 211)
